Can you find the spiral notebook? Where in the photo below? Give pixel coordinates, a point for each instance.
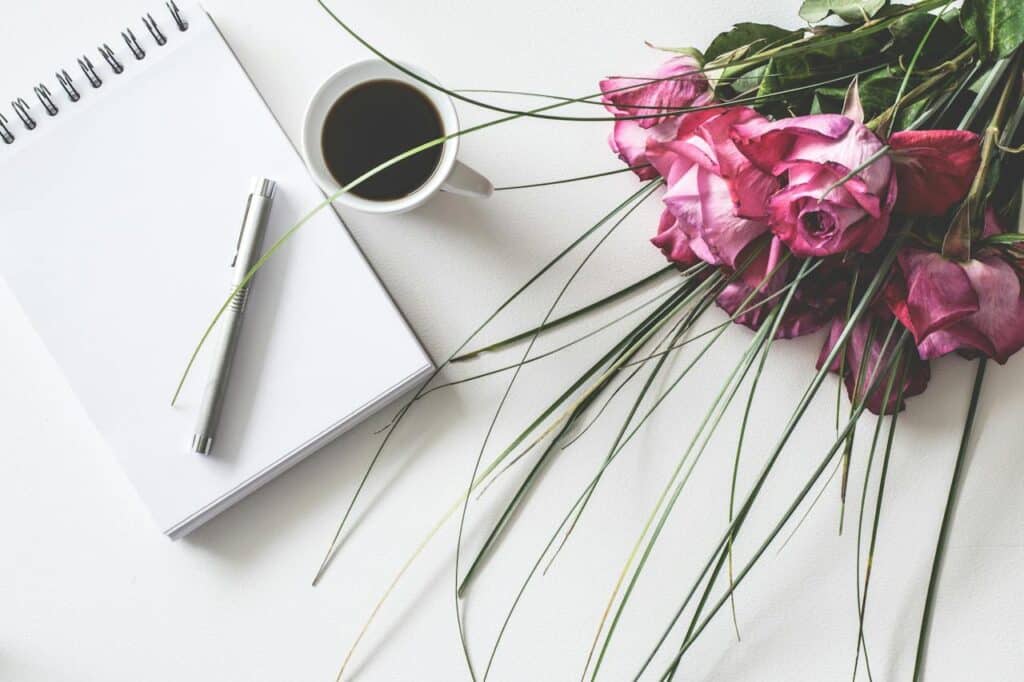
(124, 184)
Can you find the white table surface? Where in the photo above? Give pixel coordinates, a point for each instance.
(89, 590)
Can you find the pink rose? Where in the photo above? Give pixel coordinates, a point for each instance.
(856, 375)
(810, 154)
(976, 306)
(716, 194)
(677, 84)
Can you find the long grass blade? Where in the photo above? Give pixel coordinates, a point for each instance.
(332, 548)
(868, 296)
(568, 317)
(623, 347)
(947, 519)
(650, 188)
(862, 596)
(789, 512)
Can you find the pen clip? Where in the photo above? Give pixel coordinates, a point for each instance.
(241, 230)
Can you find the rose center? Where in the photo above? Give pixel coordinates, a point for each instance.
(817, 222)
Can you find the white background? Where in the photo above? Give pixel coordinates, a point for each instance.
(90, 590)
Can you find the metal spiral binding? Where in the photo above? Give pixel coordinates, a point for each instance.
(21, 108)
(5, 132)
(154, 30)
(50, 103)
(69, 85)
(108, 54)
(176, 14)
(133, 44)
(46, 99)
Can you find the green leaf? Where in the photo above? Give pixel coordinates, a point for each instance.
(877, 92)
(756, 36)
(997, 25)
(817, 63)
(946, 38)
(688, 51)
(849, 11)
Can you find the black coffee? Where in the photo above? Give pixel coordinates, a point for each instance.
(374, 122)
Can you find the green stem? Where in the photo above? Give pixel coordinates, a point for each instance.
(947, 519)
(611, 298)
(578, 178)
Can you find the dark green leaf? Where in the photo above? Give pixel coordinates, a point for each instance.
(757, 36)
(851, 11)
(820, 63)
(877, 92)
(945, 40)
(997, 25)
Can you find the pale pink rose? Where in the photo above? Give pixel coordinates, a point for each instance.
(717, 195)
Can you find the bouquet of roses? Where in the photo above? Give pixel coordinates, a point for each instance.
(857, 177)
(757, 198)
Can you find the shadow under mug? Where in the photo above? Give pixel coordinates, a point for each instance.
(450, 175)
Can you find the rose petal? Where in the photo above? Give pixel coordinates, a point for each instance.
(676, 84)
(673, 241)
(935, 168)
(996, 330)
(629, 141)
(764, 142)
(939, 293)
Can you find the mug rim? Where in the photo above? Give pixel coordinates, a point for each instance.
(340, 82)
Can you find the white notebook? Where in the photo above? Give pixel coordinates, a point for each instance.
(118, 223)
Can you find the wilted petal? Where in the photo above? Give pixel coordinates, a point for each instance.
(766, 142)
(996, 330)
(629, 141)
(935, 168)
(676, 84)
(938, 293)
(674, 242)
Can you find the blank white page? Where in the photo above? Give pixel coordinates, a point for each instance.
(118, 223)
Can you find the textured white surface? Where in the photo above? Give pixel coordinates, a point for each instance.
(90, 591)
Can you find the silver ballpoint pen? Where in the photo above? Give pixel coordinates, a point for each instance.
(247, 252)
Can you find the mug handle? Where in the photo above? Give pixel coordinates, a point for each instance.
(466, 182)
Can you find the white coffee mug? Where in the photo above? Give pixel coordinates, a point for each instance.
(450, 175)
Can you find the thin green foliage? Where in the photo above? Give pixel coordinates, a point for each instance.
(862, 596)
(790, 510)
(947, 518)
(569, 317)
(615, 358)
(578, 178)
(650, 188)
(707, 300)
(669, 496)
(868, 295)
